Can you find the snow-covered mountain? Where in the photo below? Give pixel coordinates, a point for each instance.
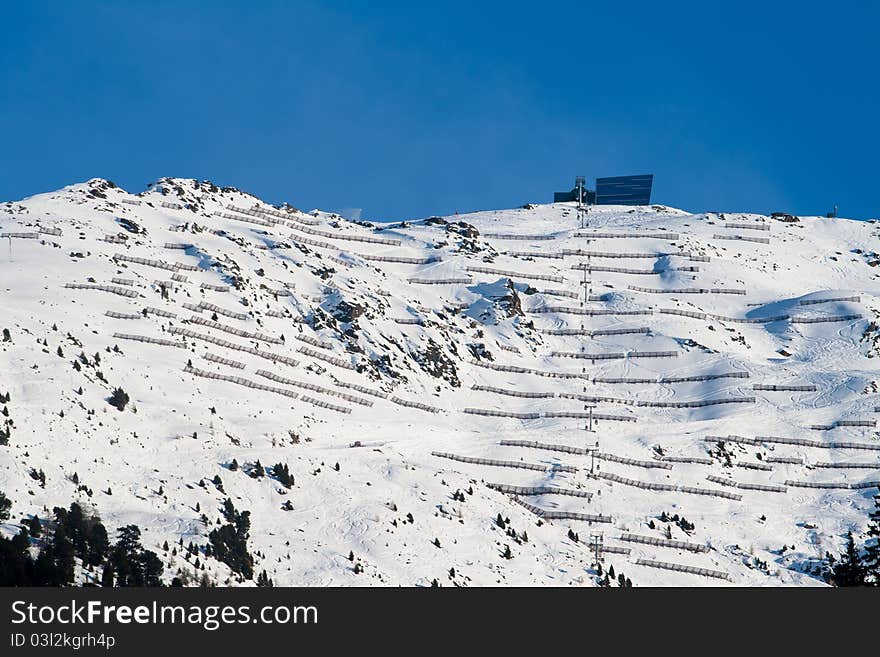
(472, 399)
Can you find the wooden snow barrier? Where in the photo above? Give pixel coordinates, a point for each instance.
(54, 230)
(313, 387)
(784, 387)
(673, 379)
(412, 404)
(619, 270)
(622, 255)
(115, 239)
(121, 291)
(132, 201)
(810, 302)
(349, 238)
(523, 238)
(569, 310)
(399, 259)
(299, 239)
(788, 460)
(830, 485)
(760, 440)
(204, 305)
(548, 446)
(596, 332)
(268, 355)
(488, 412)
(683, 313)
(604, 456)
(408, 320)
(611, 549)
(151, 340)
(698, 460)
(848, 465)
(686, 290)
(696, 404)
(440, 281)
(363, 389)
(179, 247)
(742, 238)
(159, 312)
(122, 281)
(574, 375)
(560, 293)
(764, 227)
(754, 465)
(284, 292)
(514, 393)
(171, 205)
(22, 236)
(767, 488)
(322, 404)
(179, 278)
(515, 274)
(223, 361)
(315, 342)
(250, 220)
(216, 288)
(613, 355)
(556, 255)
(339, 362)
(117, 315)
(663, 542)
(552, 467)
(647, 235)
(667, 487)
(682, 568)
(158, 264)
(828, 318)
(234, 331)
(539, 490)
(546, 514)
(240, 381)
(282, 214)
(795, 319)
(843, 423)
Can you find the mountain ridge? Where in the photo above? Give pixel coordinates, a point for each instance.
(701, 345)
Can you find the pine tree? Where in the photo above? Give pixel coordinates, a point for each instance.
(5, 505)
(872, 546)
(34, 527)
(849, 571)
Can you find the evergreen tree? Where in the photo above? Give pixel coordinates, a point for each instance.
(848, 570)
(5, 506)
(119, 399)
(872, 546)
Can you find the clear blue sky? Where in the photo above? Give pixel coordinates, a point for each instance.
(408, 109)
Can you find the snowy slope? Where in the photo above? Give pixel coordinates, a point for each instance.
(387, 348)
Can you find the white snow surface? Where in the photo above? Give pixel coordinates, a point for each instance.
(299, 275)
